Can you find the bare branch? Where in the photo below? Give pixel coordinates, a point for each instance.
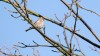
(57, 23)
(88, 10)
(94, 49)
(81, 20)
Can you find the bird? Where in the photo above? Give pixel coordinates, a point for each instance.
(39, 24)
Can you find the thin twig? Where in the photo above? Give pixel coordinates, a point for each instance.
(61, 25)
(94, 49)
(58, 18)
(89, 28)
(89, 10)
(79, 46)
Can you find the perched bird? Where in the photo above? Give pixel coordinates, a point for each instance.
(39, 24)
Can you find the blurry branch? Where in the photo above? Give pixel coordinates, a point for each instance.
(16, 50)
(89, 28)
(64, 32)
(36, 45)
(59, 38)
(3, 53)
(60, 48)
(6, 54)
(63, 22)
(57, 23)
(74, 24)
(94, 49)
(75, 21)
(25, 9)
(66, 38)
(79, 46)
(88, 10)
(58, 18)
(36, 53)
(12, 12)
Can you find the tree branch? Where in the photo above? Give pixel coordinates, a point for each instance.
(60, 48)
(57, 23)
(89, 28)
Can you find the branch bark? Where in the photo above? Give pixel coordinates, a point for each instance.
(61, 25)
(89, 28)
(54, 43)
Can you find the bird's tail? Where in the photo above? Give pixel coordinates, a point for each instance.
(29, 29)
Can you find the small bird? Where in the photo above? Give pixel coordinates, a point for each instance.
(39, 24)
